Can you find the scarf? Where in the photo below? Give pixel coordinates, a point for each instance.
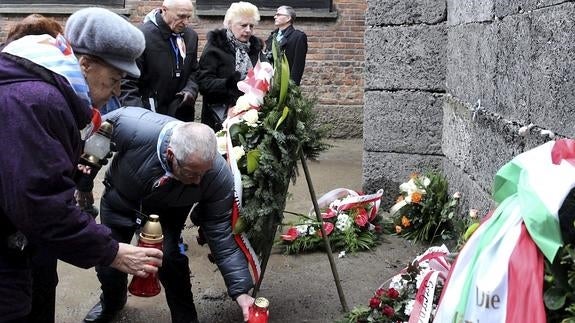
(56, 55)
(243, 61)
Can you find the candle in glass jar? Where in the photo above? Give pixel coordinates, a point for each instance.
(259, 311)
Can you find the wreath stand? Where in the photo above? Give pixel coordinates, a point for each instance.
(272, 227)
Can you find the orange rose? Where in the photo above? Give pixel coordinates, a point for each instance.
(405, 221)
(416, 197)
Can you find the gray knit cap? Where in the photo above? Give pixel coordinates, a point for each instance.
(104, 34)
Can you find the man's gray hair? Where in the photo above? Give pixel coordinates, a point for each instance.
(192, 138)
(290, 12)
(172, 3)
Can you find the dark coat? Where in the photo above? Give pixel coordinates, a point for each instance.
(217, 65)
(158, 68)
(294, 45)
(130, 183)
(39, 127)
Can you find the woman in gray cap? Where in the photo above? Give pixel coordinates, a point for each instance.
(50, 89)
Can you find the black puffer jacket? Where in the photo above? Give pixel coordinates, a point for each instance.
(217, 64)
(136, 167)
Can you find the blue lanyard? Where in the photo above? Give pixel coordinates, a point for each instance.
(176, 51)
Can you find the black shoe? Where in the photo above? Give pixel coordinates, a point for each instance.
(98, 314)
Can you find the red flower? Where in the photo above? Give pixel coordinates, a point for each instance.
(328, 214)
(361, 218)
(328, 227)
(392, 293)
(290, 235)
(388, 311)
(374, 302)
(379, 292)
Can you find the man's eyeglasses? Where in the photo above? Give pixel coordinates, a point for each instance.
(187, 173)
(281, 14)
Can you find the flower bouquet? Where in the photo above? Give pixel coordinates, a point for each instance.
(350, 220)
(412, 295)
(270, 128)
(424, 211)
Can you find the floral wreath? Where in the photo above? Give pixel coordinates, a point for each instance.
(265, 134)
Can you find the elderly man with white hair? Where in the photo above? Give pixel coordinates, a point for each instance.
(169, 63)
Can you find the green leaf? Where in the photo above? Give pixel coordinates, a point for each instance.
(235, 130)
(253, 158)
(283, 117)
(284, 81)
(554, 298)
(240, 226)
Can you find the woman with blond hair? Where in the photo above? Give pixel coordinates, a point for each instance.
(228, 55)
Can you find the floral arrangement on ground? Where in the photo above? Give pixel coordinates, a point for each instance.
(401, 297)
(351, 221)
(424, 211)
(270, 128)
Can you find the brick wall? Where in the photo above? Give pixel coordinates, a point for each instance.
(335, 59)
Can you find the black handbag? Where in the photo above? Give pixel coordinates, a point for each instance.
(217, 114)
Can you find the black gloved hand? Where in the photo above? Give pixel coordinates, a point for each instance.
(232, 80)
(188, 100)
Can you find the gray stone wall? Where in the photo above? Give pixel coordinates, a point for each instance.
(505, 81)
(405, 66)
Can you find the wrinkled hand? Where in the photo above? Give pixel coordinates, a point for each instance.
(245, 301)
(188, 100)
(137, 261)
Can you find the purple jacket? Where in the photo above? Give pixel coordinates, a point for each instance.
(40, 118)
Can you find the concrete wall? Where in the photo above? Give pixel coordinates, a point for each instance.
(335, 59)
(405, 67)
(506, 66)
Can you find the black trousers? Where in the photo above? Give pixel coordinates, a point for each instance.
(44, 282)
(174, 273)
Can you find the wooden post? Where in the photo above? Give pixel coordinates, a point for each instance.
(324, 234)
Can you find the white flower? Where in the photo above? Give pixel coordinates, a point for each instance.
(397, 283)
(425, 181)
(408, 187)
(335, 204)
(409, 307)
(242, 104)
(304, 229)
(251, 117)
(238, 152)
(343, 222)
(411, 187)
(222, 142)
(473, 213)
(341, 254)
(422, 273)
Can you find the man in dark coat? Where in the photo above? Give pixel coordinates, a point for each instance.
(165, 166)
(45, 97)
(169, 64)
(292, 41)
(227, 57)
